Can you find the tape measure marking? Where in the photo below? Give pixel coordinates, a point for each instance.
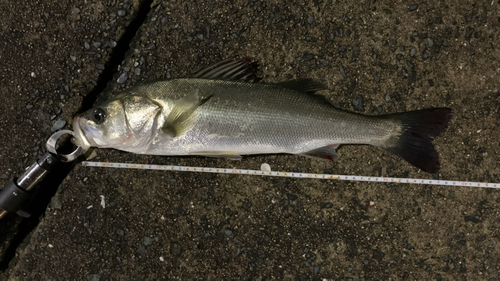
(288, 174)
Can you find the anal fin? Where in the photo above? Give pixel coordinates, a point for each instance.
(323, 153)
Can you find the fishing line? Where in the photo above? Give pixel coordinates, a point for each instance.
(288, 174)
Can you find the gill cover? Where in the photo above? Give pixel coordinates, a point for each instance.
(141, 116)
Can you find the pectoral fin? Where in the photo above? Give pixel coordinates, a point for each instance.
(182, 116)
(323, 153)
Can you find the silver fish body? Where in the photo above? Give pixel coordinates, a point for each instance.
(229, 118)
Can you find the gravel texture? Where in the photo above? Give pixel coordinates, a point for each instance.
(380, 58)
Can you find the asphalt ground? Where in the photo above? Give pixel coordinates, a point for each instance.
(375, 57)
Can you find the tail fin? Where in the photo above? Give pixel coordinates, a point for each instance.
(415, 143)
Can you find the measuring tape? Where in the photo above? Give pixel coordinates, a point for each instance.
(287, 174)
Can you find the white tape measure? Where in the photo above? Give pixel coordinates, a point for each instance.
(287, 174)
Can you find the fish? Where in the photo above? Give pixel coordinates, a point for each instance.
(224, 111)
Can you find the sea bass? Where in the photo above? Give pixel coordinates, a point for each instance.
(221, 113)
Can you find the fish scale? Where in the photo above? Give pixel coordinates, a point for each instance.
(281, 120)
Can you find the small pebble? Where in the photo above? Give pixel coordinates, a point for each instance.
(399, 56)
(426, 55)
(56, 204)
(76, 10)
(73, 58)
(316, 270)
(123, 77)
(96, 44)
(404, 73)
(120, 232)
(229, 233)
(148, 241)
(99, 66)
(357, 103)
(141, 250)
(376, 78)
(29, 106)
(93, 277)
(451, 194)
(121, 13)
(151, 46)
(59, 124)
(327, 205)
(342, 71)
(387, 97)
(265, 167)
(175, 249)
(310, 19)
(4, 176)
(430, 42)
(413, 7)
(111, 44)
(413, 52)
(137, 71)
(291, 197)
(86, 45)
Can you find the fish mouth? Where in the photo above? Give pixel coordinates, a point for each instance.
(80, 137)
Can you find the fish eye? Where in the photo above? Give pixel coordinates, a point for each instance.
(99, 115)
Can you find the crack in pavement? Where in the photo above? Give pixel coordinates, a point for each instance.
(51, 183)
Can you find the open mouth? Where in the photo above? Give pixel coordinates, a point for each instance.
(80, 137)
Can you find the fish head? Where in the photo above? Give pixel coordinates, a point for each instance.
(126, 122)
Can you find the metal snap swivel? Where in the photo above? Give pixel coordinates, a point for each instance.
(52, 142)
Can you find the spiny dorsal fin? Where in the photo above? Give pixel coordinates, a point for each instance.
(182, 116)
(305, 85)
(232, 69)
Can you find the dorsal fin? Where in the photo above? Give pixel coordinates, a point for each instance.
(305, 85)
(232, 69)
